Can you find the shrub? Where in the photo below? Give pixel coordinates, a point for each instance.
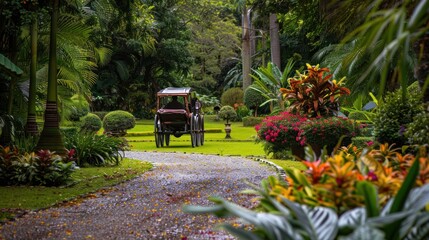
(251, 121)
(418, 130)
(394, 114)
(321, 132)
(101, 115)
(208, 103)
(314, 94)
(232, 96)
(92, 149)
(280, 132)
(66, 132)
(91, 123)
(288, 130)
(41, 168)
(282, 215)
(227, 113)
(79, 108)
(118, 122)
(253, 99)
(242, 111)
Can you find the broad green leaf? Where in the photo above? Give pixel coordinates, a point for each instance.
(368, 191)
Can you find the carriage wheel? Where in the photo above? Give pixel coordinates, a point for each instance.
(167, 139)
(197, 131)
(159, 140)
(193, 132)
(202, 130)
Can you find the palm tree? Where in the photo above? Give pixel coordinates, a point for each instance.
(50, 137)
(31, 125)
(383, 46)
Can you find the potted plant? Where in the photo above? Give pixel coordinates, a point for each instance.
(227, 113)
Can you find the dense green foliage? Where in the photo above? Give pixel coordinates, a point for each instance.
(118, 122)
(78, 108)
(418, 130)
(253, 99)
(394, 114)
(95, 150)
(91, 123)
(232, 96)
(251, 121)
(227, 113)
(41, 168)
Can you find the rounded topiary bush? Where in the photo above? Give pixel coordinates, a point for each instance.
(91, 123)
(118, 122)
(253, 99)
(227, 113)
(232, 96)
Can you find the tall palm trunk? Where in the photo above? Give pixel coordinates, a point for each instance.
(50, 137)
(246, 51)
(275, 40)
(31, 125)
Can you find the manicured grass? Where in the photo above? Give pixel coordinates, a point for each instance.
(87, 179)
(209, 147)
(242, 142)
(289, 164)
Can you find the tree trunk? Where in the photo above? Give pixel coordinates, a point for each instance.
(50, 137)
(275, 40)
(31, 125)
(246, 51)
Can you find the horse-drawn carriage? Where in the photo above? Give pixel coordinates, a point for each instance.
(178, 113)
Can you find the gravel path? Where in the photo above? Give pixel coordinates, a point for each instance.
(148, 207)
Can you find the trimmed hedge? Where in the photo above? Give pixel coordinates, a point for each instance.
(91, 123)
(118, 122)
(252, 121)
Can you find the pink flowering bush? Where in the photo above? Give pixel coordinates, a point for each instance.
(327, 131)
(280, 132)
(286, 130)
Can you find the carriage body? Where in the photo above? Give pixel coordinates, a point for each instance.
(183, 118)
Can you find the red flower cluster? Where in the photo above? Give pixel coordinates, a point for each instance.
(287, 130)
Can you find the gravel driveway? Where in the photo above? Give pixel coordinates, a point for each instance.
(149, 207)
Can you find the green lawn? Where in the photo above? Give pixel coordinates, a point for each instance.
(87, 180)
(242, 142)
(141, 139)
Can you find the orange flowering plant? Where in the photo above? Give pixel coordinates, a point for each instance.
(332, 182)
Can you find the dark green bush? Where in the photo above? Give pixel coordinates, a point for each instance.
(251, 121)
(232, 96)
(253, 99)
(394, 114)
(91, 123)
(118, 122)
(78, 108)
(227, 113)
(101, 115)
(242, 111)
(41, 168)
(92, 149)
(418, 130)
(68, 131)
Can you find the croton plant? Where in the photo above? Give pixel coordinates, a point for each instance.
(314, 93)
(332, 182)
